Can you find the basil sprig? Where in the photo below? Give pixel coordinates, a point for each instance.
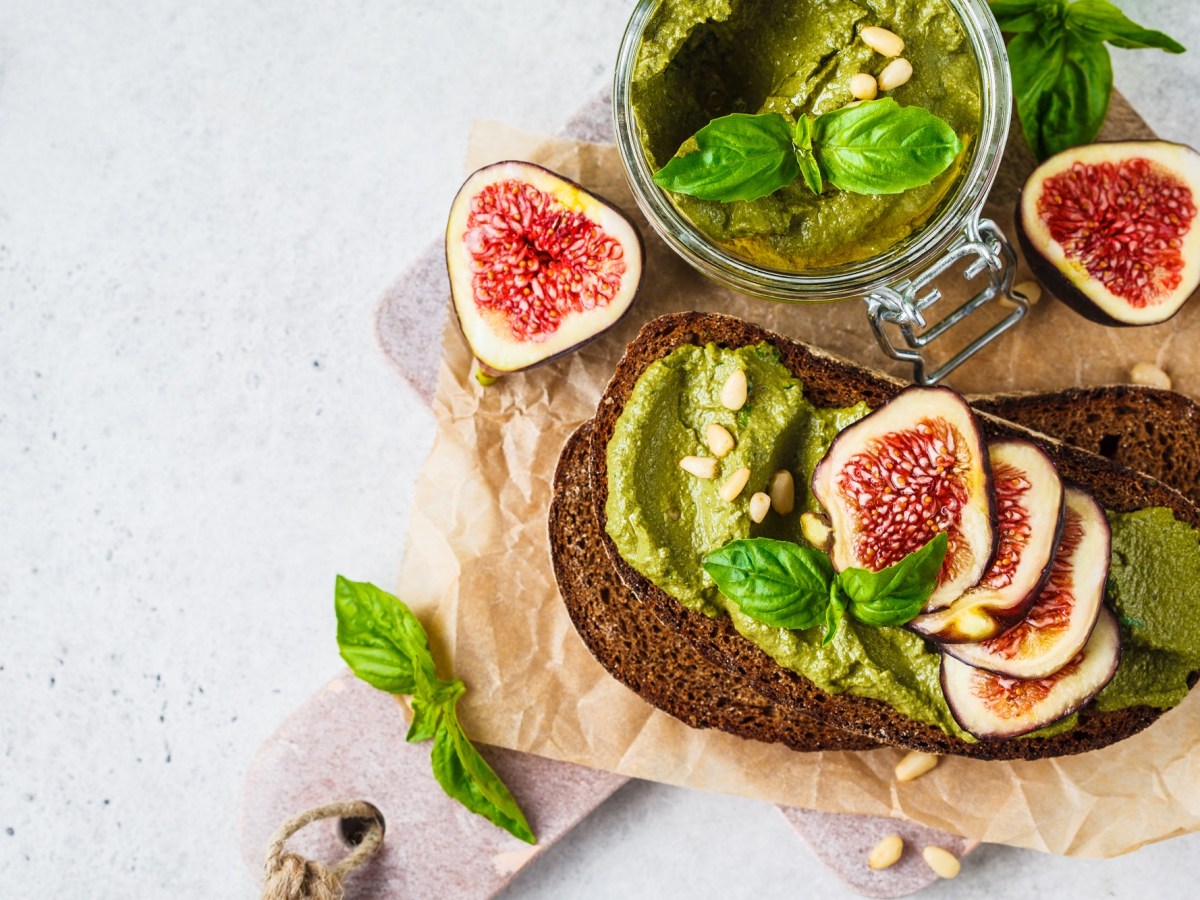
(384, 644)
(784, 585)
(1061, 70)
(877, 147)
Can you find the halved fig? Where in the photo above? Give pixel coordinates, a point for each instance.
(538, 266)
(1029, 516)
(995, 707)
(1059, 623)
(1111, 229)
(914, 467)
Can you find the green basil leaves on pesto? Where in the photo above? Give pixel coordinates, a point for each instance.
(775, 582)
(700, 60)
(788, 586)
(665, 523)
(877, 147)
(738, 157)
(881, 147)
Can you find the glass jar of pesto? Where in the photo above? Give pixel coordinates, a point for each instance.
(683, 63)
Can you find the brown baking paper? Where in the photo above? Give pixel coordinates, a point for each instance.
(478, 571)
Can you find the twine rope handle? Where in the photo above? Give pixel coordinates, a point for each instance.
(290, 876)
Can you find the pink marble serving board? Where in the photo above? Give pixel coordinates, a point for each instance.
(347, 742)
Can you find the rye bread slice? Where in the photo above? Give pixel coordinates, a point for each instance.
(665, 670)
(638, 649)
(829, 381)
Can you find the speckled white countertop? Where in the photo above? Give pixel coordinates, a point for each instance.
(200, 204)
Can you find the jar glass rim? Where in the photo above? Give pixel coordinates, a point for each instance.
(847, 280)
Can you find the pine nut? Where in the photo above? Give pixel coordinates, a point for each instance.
(720, 441)
(943, 862)
(886, 853)
(916, 764)
(895, 74)
(783, 492)
(1150, 375)
(733, 393)
(816, 531)
(760, 505)
(700, 466)
(734, 483)
(1030, 290)
(863, 86)
(882, 41)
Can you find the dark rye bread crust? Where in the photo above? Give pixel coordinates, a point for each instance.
(1147, 429)
(638, 649)
(829, 381)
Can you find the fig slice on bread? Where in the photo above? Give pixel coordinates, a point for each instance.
(1029, 514)
(994, 707)
(1059, 623)
(913, 468)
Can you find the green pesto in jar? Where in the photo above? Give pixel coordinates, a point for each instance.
(702, 59)
(664, 521)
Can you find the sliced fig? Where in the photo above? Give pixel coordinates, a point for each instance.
(538, 266)
(994, 707)
(1029, 516)
(914, 467)
(1111, 229)
(1059, 623)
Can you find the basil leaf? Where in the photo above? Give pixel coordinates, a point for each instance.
(385, 645)
(740, 157)
(1099, 20)
(809, 170)
(466, 776)
(425, 719)
(895, 595)
(881, 147)
(1016, 16)
(381, 640)
(774, 582)
(1062, 88)
(833, 615)
(1087, 68)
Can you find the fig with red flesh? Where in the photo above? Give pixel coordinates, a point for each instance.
(538, 266)
(914, 467)
(1059, 623)
(1111, 229)
(1029, 513)
(995, 707)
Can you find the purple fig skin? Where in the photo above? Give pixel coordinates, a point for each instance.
(1036, 724)
(1062, 287)
(1013, 616)
(954, 650)
(977, 435)
(493, 373)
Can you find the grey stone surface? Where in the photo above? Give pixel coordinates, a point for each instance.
(200, 205)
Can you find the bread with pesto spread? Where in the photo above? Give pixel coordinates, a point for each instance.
(832, 382)
(642, 652)
(1151, 430)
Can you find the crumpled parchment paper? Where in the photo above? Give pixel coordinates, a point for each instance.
(477, 567)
